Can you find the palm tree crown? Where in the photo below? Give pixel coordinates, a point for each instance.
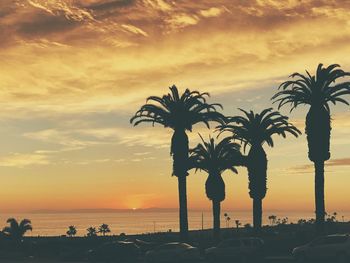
(178, 112)
(216, 158)
(255, 129)
(17, 230)
(318, 90)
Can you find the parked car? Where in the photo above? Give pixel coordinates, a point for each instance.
(332, 248)
(173, 252)
(143, 245)
(118, 251)
(237, 249)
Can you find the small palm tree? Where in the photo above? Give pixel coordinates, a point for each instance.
(227, 219)
(72, 231)
(255, 129)
(317, 92)
(272, 219)
(91, 231)
(17, 230)
(214, 159)
(104, 229)
(238, 224)
(179, 113)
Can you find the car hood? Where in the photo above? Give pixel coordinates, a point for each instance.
(300, 249)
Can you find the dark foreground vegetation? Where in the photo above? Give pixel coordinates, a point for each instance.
(279, 241)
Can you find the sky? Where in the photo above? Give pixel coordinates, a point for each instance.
(73, 72)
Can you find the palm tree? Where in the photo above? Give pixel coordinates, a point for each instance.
(72, 231)
(238, 224)
(255, 129)
(91, 231)
(104, 229)
(318, 92)
(227, 219)
(180, 113)
(214, 159)
(17, 230)
(272, 219)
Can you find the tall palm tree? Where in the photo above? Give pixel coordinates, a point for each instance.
(180, 113)
(318, 92)
(17, 230)
(214, 159)
(255, 129)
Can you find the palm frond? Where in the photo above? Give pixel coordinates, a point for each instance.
(215, 158)
(178, 111)
(258, 128)
(319, 89)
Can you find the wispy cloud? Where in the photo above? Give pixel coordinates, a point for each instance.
(182, 20)
(213, 11)
(339, 162)
(135, 30)
(309, 168)
(58, 7)
(20, 160)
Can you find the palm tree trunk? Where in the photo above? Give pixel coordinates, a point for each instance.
(179, 151)
(257, 214)
(216, 219)
(183, 207)
(319, 196)
(257, 174)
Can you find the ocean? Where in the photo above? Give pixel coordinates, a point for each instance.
(134, 222)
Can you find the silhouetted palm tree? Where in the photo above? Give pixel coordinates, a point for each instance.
(272, 219)
(104, 229)
(316, 91)
(17, 230)
(255, 129)
(91, 231)
(180, 113)
(238, 224)
(214, 159)
(72, 231)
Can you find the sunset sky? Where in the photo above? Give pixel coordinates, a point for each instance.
(73, 72)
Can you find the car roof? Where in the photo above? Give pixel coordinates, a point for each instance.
(172, 243)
